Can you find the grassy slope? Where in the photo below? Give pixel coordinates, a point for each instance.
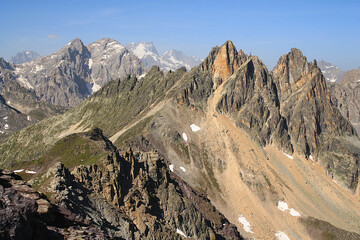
(111, 108)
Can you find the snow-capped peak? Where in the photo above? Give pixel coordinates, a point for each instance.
(142, 49)
(170, 60)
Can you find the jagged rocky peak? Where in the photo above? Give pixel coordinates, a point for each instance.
(290, 68)
(76, 46)
(223, 61)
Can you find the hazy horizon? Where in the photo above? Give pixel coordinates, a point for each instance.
(322, 30)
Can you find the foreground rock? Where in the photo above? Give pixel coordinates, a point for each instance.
(131, 195)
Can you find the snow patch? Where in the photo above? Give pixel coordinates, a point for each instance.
(281, 236)
(245, 223)
(19, 170)
(185, 137)
(171, 167)
(141, 76)
(311, 158)
(331, 66)
(194, 127)
(294, 213)
(289, 156)
(282, 206)
(28, 118)
(357, 80)
(95, 87)
(183, 169)
(8, 102)
(39, 68)
(30, 172)
(178, 231)
(6, 126)
(90, 63)
(5, 118)
(2, 132)
(22, 79)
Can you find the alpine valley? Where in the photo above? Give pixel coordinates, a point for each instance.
(226, 150)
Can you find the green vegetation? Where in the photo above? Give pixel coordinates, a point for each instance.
(113, 107)
(75, 150)
(136, 130)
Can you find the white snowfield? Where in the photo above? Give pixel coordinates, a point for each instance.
(19, 170)
(6, 126)
(178, 231)
(185, 137)
(194, 127)
(283, 206)
(30, 172)
(245, 223)
(171, 167)
(281, 236)
(183, 169)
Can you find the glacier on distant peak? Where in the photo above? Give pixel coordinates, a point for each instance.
(169, 60)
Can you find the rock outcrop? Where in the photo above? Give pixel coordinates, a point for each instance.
(133, 195)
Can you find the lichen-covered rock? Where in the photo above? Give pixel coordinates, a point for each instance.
(23, 211)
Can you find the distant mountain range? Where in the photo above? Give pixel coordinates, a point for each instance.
(170, 60)
(25, 56)
(76, 71)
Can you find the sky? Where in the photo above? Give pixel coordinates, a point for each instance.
(323, 30)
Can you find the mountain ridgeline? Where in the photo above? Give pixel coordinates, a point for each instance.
(75, 71)
(246, 138)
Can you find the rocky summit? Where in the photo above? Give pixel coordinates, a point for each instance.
(227, 150)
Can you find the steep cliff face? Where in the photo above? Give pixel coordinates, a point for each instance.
(305, 103)
(345, 97)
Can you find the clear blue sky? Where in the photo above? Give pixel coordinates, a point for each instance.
(328, 30)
